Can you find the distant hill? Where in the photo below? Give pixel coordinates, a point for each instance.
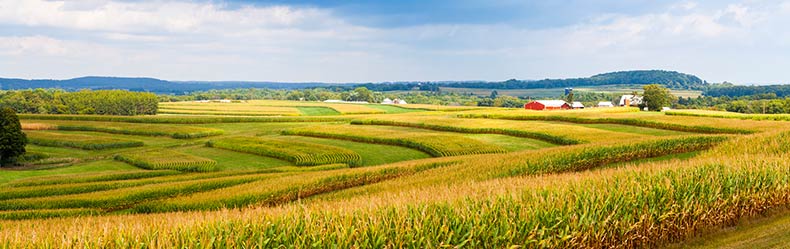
(670, 79)
(145, 84)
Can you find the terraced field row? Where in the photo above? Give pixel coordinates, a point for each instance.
(167, 159)
(180, 132)
(122, 198)
(300, 153)
(435, 144)
(730, 115)
(622, 121)
(78, 141)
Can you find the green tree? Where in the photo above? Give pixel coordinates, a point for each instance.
(362, 94)
(12, 139)
(655, 97)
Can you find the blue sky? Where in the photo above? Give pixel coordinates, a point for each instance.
(745, 42)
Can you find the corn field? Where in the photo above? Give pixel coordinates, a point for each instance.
(619, 179)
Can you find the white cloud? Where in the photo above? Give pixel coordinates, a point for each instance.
(39, 45)
(179, 17)
(211, 41)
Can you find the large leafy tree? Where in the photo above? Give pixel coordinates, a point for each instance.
(12, 139)
(655, 97)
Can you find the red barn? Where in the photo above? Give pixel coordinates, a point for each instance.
(547, 105)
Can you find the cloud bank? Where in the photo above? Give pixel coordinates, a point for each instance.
(745, 42)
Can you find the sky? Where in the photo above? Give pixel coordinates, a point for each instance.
(744, 42)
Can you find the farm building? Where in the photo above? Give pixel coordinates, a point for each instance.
(388, 101)
(577, 105)
(605, 104)
(630, 100)
(547, 105)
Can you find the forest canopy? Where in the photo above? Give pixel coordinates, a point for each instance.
(102, 102)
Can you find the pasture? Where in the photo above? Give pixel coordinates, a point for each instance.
(270, 173)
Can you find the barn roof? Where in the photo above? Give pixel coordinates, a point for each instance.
(552, 103)
(577, 104)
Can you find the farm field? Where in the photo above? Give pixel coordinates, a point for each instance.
(291, 173)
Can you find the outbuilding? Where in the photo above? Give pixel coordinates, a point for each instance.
(577, 105)
(547, 105)
(605, 104)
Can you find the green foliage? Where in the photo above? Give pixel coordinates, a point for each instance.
(101, 102)
(300, 153)
(85, 142)
(729, 90)
(656, 97)
(359, 94)
(168, 159)
(12, 139)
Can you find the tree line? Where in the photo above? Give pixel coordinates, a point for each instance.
(101, 102)
(670, 79)
(764, 92)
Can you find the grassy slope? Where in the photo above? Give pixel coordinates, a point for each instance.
(391, 109)
(231, 160)
(317, 111)
(511, 143)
